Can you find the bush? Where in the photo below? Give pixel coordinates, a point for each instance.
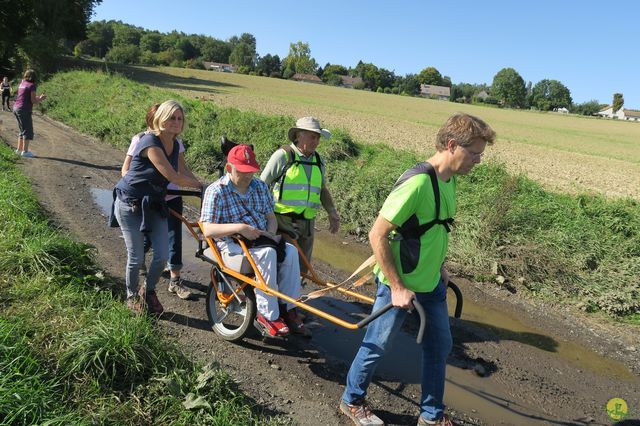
(124, 54)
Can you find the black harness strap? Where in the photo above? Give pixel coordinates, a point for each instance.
(291, 161)
(411, 229)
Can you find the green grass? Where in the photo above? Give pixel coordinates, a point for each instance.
(72, 353)
(580, 249)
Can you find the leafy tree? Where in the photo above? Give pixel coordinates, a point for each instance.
(288, 72)
(124, 54)
(508, 86)
(446, 81)
(246, 38)
(171, 56)
(85, 47)
(269, 65)
(587, 108)
(148, 58)
(187, 48)
(369, 73)
(150, 42)
(243, 55)
(125, 34)
(430, 75)
(618, 101)
(170, 40)
(331, 74)
(462, 92)
(407, 85)
(34, 31)
(100, 33)
(549, 94)
(215, 50)
(385, 78)
(299, 59)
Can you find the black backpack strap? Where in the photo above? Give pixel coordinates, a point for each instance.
(290, 160)
(411, 228)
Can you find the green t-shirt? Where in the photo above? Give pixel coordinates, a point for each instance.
(415, 196)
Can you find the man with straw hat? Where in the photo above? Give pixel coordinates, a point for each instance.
(296, 174)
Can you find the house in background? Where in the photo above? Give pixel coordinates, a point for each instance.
(631, 115)
(482, 95)
(435, 92)
(216, 66)
(307, 78)
(561, 110)
(621, 114)
(349, 82)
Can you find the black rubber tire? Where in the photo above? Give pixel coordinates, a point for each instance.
(239, 316)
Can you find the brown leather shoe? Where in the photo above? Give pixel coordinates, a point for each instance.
(151, 299)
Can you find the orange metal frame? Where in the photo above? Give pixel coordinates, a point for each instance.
(258, 282)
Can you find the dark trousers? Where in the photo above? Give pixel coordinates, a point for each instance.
(5, 100)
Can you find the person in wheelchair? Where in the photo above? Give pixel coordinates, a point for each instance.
(240, 205)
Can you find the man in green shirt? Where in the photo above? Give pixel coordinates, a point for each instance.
(409, 240)
(296, 175)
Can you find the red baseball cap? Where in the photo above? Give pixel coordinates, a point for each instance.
(243, 159)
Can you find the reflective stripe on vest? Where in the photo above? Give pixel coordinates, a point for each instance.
(295, 193)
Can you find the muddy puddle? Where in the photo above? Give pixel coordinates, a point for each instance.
(472, 394)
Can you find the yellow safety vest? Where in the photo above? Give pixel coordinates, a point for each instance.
(294, 193)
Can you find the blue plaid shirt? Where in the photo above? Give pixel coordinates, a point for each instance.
(223, 204)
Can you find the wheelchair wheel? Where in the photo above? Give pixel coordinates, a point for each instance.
(230, 322)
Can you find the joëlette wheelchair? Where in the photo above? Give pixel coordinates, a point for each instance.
(230, 299)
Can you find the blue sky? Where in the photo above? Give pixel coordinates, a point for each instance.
(590, 46)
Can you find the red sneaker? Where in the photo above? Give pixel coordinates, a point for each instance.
(275, 328)
(294, 321)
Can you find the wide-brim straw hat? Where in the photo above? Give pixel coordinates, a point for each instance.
(310, 124)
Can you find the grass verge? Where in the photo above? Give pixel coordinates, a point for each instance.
(71, 353)
(581, 249)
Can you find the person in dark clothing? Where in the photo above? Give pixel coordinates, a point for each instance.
(5, 87)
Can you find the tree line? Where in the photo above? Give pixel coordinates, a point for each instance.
(41, 31)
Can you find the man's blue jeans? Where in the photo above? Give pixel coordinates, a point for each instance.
(130, 221)
(436, 346)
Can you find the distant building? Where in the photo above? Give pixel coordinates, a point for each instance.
(216, 66)
(561, 110)
(349, 82)
(482, 95)
(621, 114)
(631, 115)
(437, 92)
(307, 78)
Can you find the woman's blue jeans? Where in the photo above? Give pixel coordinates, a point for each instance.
(436, 346)
(130, 220)
(175, 236)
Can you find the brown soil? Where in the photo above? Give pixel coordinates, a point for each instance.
(523, 376)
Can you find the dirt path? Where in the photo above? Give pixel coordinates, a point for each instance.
(556, 367)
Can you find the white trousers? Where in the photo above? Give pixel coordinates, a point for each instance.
(283, 277)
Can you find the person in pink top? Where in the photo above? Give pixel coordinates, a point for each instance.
(174, 202)
(26, 98)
